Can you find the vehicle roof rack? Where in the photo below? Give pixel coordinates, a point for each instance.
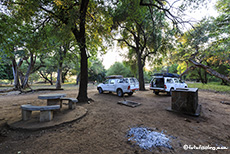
(114, 77)
(167, 75)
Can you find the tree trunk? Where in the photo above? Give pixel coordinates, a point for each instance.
(62, 54)
(17, 85)
(80, 37)
(51, 78)
(26, 77)
(210, 71)
(82, 95)
(205, 77)
(25, 81)
(59, 74)
(200, 75)
(63, 78)
(64, 75)
(187, 70)
(140, 73)
(46, 78)
(78, 78)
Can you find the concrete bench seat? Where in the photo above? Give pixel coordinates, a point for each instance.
(72, 102)
(46, 112)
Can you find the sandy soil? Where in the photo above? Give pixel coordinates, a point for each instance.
(103, 130)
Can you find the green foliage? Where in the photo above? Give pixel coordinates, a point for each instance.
(210, 41)
(131, 62)
(96, 70)
(119, 69)
(147, 76)
(173, 68)
(223, 6)
(6, 71)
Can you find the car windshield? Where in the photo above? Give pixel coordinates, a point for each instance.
(106, 81)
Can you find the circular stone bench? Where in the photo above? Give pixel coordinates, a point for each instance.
(46, 112)
(72, 102)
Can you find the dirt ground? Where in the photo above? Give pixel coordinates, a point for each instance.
(103, 130)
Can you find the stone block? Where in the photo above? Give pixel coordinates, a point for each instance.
(46, 116)
(72, 105)
(26, 115)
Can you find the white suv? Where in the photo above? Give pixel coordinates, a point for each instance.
(119, 85)
(166, 83)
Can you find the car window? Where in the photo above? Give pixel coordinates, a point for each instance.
(123, 81)
(169, 81)
(112, 81)
(120, 81)
(176, 80)
(132, 80)
(154, 81)
(106, 81)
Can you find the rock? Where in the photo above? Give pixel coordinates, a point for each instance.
(187, 120)
(14, 93)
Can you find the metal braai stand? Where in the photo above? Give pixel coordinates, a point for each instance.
(185, 100)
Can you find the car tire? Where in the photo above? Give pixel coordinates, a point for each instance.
(120, 92)
(100, 90)
(170, 92)
(130, 94)
(156, 92)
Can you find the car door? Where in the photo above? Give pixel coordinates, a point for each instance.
(134, 84)
(112, 83)
(169, 83)
(106, 85)
(176, 83)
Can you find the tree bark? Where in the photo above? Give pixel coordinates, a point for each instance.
(209, 70)
(17, 85)
(78, 78)
(80, 37)
(64, 75)
(26, 77)
(140, 73)
(46, 78)
(187, 70)
(62, 54)
(59, 74)
(51, 78)
(200, 75)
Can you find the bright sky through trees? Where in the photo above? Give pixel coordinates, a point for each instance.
(113, 54)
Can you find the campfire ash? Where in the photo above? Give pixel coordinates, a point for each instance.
(147, 138)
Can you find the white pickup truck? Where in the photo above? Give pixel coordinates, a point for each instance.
(119, 85)
(166, 82)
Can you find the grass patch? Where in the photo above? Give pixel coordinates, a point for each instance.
(210, 86)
